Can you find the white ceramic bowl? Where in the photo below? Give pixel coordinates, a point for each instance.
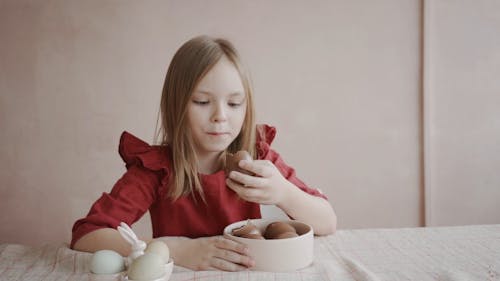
(278, 254)
(165, 277)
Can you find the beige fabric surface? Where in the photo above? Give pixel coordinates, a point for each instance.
(437, 253)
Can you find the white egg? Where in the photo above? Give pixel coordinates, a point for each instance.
(106, 262)
(159, 248)
(146, 267)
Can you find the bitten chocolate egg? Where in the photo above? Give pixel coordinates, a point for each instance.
(232, 161)
(279, 230)
(248, 230)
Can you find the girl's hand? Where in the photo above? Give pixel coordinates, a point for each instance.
(214, 253)
(267, 187)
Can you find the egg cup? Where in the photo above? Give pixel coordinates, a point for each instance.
(107, 277)
(165, 277)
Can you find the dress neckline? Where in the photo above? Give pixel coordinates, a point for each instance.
(215, 174)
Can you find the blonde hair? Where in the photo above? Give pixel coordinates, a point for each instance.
(188, 66)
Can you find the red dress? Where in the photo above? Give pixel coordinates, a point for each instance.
(143, 187)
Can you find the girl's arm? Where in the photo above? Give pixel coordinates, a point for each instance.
(208, 253)
(310, 209)
(271, 187)
(103, 238)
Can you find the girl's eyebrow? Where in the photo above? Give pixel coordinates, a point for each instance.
(235, 93)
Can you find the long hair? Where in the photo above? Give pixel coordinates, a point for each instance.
(188, 66)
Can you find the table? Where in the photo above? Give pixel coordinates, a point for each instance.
(432, 253)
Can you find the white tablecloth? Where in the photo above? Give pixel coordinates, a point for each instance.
(436, 253)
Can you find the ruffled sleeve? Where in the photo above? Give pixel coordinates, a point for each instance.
(134, 193)
(264, 138)
(135, 151)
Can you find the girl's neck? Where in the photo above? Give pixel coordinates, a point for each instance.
(209, 163)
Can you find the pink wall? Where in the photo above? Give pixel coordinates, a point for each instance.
(340, 80)
(462, 89)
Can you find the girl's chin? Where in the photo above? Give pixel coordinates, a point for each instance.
(216, 149)
(211, 146)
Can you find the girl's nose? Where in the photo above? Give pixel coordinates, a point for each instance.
(220, 114)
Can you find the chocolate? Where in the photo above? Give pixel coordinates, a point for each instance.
(232, 161)
(248, 230)
(276, 229)
(287, 234)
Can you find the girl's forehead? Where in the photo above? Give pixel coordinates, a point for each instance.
(223, 77)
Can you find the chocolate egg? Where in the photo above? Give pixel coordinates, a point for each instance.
(248, 230)
(275, 229)
(287, 234)
(232, 161)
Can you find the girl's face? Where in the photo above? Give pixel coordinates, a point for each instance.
(217, 108)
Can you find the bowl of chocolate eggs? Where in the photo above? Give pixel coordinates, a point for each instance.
(275, 245)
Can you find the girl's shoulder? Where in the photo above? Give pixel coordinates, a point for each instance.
(135, 151)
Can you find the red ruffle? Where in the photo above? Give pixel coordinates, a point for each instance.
(264, 138)
(134, 151)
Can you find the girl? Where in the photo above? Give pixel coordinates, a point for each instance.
(206, 111)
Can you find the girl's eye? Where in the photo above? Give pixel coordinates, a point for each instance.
(200, 102)
(234, 104)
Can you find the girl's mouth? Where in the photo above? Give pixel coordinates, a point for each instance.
(217, 133)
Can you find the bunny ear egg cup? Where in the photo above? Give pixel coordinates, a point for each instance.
(145, 263)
